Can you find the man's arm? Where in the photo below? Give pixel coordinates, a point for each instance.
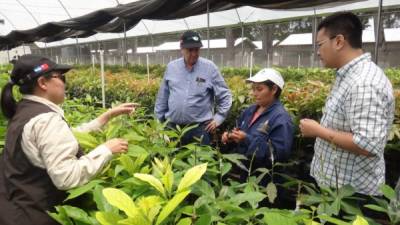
(223, 97)
(161, 105)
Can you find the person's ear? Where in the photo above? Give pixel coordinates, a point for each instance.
(274, 89)
(340, 41)
(42, 83)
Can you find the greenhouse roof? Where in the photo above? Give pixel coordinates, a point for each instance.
(35, 15)
(391, 35)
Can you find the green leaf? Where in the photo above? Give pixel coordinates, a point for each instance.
(77, 214)
(192, 176)
(235, 159)
(171, 205)
(132, 136)
(185, 221)
(387, 191)
(376, 208)
(333, 220)
(83, 189)
(61, 217)
(86, 140)
(150, 206)
(154, 182)
(272, 192)
(203, 219)
(346, 191)
(251, 197)
(136, 151)
(275, 218)
(127, 163)
(108, 218)
(360, 221)
(168, 180)
(120, 200)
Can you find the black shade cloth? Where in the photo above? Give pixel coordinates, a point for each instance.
(112, 20)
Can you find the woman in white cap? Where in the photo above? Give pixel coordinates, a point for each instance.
(41, 157)
(265, 129)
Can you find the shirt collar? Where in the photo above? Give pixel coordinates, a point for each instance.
(46, 102)
(194, 65)
(341, 72)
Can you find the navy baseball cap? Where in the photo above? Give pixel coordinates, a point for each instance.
(28, 67)
(191, 39)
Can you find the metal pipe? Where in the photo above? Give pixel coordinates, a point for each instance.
(208, 29)
(378, 31)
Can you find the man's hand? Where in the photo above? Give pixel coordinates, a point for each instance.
(211, 126)
(309, 128)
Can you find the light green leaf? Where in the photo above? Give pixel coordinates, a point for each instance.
(120, 200)
(171, 205)
(272, 192)
(192, 176)
(333, 220)
(86, 140)
(168, 180)
(107, 218)
(83, 189)
(360, 221)
(150, 206)
(136, 151)
(132, 136)
(272, 218)
(185, 221)
(154, 182)
(127, 163)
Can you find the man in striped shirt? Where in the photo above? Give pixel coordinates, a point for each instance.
(358, 114)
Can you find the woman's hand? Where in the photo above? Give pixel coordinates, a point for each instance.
(237, 135)
(117, 145)
(225, 138)
(125, 108)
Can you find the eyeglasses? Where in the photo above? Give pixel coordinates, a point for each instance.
(319, 44)
(59, 76)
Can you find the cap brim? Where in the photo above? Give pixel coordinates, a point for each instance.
(62, 68)
(192, 45)
(254, 80)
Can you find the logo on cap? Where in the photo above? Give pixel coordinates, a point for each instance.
(41, 68)
(195, 38)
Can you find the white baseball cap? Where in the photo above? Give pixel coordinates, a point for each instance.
(268, 74)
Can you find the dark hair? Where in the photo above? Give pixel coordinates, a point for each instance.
(271, 85)
(8, 102)
(346, 24)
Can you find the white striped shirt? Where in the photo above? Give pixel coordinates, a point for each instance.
(361, 102)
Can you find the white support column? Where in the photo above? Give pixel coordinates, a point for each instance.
(103, 93)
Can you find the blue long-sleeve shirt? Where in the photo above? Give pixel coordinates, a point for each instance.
(188, 96)
(274, 124)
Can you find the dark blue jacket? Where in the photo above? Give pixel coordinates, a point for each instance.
(274, 124)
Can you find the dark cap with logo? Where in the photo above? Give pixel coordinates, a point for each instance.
(29, 67)
(191, 39)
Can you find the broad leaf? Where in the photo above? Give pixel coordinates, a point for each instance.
(83, 189)
(120, 200)
(171, 205)
(192, 176)
(154, 182)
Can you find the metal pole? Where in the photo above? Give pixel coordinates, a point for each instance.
(8, 54)
(148, 68)
(251, 64)
(77, 50)
(268, 63)
(378, 31)
(125, 60)
(103, 94)
(208, 29)
(242, 39)
(314, 57)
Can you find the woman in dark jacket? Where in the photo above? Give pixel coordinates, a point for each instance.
(265, 129)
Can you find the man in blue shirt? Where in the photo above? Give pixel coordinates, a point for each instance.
(191, 88)
(265, 130)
